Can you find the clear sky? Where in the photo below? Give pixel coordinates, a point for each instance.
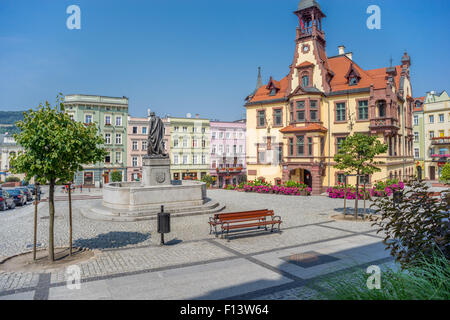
(199, 56)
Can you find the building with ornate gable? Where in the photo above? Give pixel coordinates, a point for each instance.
(295, 125)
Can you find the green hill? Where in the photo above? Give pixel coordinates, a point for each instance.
(10, 117)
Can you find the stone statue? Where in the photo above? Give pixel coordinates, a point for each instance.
(155, 145)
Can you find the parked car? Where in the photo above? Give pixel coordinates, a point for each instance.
(28, 194)
(19, 196)
(6, 200)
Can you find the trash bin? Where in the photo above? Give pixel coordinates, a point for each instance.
(163, 223)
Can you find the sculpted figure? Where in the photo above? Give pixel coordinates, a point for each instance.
(155, 145)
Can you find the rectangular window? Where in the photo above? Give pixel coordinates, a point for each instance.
(431, 134)
(416, 153)
(213, 135)
(203, 130)
(144, 130)
(313, 111)
(363, 110)
(118, 138)
(416, 120)
(175, 159)
(194, 143)
(416, 137)
(203, 159)
(234, 149)
(310, 146)
(135, 130)
(221, 135)
(88, 118)
(176, 129)
(203, 143)
(261, 156)
(144, 145)
(135, 145)
(220, 148)
(107, 138)
(291, 146)
(322, 146)
(441, 117)
(184, 129)
(431, 118)
(108, 159)
(340, 111)
(135, 161)
(240, 149)
(118, 157)
(185, 159)
(300, 145)
(194, 159)
(213, 149)
(341, 178)
(175, 143)
(300, 105)
(118, 120)
(184, 143)
(107, 120)
(339, 142)
(277, 117)
(228, 149)
(214, 164)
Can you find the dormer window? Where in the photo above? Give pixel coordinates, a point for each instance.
(352, 81)
(273, 91)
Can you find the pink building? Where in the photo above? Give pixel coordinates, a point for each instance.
(227, 147)
(137, 145)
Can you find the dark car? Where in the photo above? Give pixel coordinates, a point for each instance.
(6, 200)
(19, 196)
(27, 192)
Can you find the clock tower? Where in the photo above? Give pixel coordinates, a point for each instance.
(310, 70)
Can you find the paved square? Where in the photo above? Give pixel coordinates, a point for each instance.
(309, 259)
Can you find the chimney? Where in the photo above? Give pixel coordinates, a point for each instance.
(349, 55)
(341, 50)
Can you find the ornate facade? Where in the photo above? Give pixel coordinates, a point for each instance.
(295, 125)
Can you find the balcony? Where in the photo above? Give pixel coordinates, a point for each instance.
(440, 141)
(383, 123)
(229, 170)
(440, 157)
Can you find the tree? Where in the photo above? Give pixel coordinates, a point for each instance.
(116, 176)
(445, 175)
(356, 155)
(55, 147)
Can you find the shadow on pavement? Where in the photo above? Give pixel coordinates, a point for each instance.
(114, 239)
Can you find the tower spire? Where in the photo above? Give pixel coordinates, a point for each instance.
(259, 83)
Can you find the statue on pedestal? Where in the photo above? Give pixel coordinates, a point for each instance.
(155, 145)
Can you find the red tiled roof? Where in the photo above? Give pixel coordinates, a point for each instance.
(305, 64)
(340, 66)
(313, 127)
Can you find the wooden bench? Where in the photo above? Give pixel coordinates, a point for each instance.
(244, 220)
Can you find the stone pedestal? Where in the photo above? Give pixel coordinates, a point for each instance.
(155, 171)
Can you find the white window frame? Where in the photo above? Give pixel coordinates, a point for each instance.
(107, 138)
(118, 138)
(118, 121)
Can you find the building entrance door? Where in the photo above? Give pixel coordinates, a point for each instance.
(432, 173)
(419, 173)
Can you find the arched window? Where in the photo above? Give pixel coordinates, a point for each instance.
(305, 80)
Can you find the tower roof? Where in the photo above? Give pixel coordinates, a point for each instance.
(305, 4)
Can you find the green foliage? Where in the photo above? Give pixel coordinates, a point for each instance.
(426, 280)
(116, 176)
(55, 147)
(10, 129)
(445, 175)
(208, 180)
(357, 153)
(416, 226)
(12, 179)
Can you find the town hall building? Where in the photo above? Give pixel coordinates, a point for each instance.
(295, 125)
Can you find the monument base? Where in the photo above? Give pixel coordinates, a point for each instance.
(155, 171)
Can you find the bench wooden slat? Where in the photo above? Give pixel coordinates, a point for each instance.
(248, 225)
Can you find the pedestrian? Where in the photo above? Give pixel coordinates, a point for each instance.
(81, 188)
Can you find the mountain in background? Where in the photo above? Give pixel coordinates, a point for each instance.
(8, 120)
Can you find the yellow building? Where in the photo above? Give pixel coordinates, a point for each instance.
(295, 125)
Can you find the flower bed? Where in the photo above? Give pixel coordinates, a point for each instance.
(380, 189)
(260, 186)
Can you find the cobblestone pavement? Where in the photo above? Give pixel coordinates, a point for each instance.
(130, 250)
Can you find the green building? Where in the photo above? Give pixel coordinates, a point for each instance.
(110, 114)
(189, 147)
(419, 137)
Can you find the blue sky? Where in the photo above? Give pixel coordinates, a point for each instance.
(199, 56)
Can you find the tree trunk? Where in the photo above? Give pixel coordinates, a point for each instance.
(356, 198)
(51, 213)
(70, 220)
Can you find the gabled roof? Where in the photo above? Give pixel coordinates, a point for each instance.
(263, 93)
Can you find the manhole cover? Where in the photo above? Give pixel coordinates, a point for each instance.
(309, 259)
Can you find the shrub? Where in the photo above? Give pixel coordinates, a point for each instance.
(427, 279)
(116, 176)
(415, 226)
(208, 180)
(12, 179)
(445, 175)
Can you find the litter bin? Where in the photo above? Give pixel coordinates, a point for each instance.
(163, 223)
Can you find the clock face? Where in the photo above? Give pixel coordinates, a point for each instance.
(305, 48)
